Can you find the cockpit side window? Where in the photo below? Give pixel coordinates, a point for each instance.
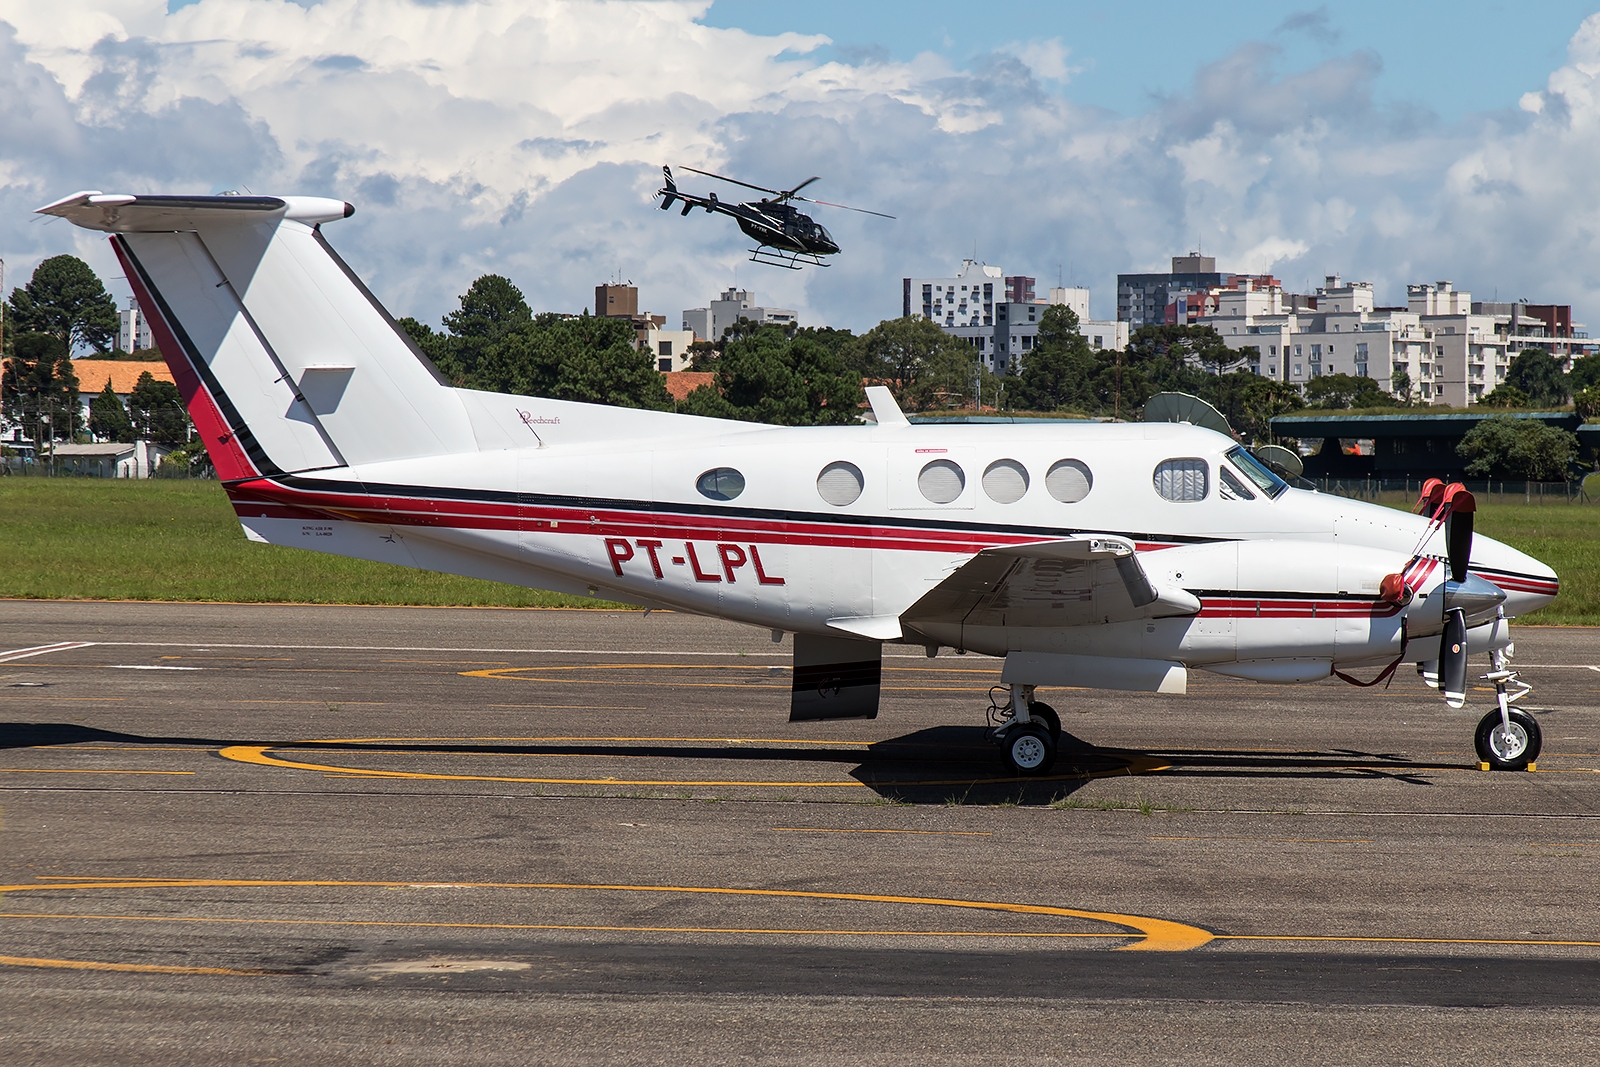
(1258, 472)
(1232, 487)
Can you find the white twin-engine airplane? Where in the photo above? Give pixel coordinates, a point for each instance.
(1115, 556)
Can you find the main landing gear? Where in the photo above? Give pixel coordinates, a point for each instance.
(1507, 738)
(1027, 731)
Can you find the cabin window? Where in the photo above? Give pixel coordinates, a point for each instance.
(1182, 480)
(1068, 480)
(840, 483)
(1005, 480)
(942, 481)
(720, 483)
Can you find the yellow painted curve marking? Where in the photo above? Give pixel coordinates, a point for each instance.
(1158, 935)
(139, 968)
(257, 754)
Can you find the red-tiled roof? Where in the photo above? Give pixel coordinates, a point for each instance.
(122, 373)
(680, 383)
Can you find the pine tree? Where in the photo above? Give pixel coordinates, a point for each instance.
(108, 418)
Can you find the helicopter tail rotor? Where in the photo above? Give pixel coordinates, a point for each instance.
(669, 194)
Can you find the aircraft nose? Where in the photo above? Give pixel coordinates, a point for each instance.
(1529, 583)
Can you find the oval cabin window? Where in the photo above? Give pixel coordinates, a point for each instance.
(721, 483)
(942, 481)
(1005, 480)
(1068, 480)
(840, 483)
(1182, 480)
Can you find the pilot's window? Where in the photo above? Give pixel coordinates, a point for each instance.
(1068, 480)
(722, 483)
(1005, 480)
(1182, 480)
(941, 481)
(1264, 477)
(840, 483)
(1232, 487)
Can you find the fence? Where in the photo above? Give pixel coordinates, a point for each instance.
(94, 467)
(1493, 491)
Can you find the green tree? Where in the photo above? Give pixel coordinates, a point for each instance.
(765, 375)
(1539, 376)
(1506, 395)
(1585, 373)
(108, 418)
(1250, 402)
(66, 299)
(156, 409)
(1059, 374)
(1338, 391)
(1507, 447)
(1587, 403)
(917, 360)
(491, 309)
(1400, 383)
(39, 388)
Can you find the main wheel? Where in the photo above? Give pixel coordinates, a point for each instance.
(1508, 749)
(1047, 717)
(1029, 749)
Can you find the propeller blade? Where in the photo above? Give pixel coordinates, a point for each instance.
(1453, 658)
(1458, 533)
(1429, 671)
(736, 181)
(847, 207)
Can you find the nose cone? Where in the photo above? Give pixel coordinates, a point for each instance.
(1528, 584)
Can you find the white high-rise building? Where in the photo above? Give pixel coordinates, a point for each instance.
(133, 330)
(708, 323)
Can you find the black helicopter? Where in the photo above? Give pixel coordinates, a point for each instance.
(784, 236)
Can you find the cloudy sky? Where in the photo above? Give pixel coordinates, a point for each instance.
(1072, 140)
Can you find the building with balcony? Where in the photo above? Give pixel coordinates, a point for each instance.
(709, 323)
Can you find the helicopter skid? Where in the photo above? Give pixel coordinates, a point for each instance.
(788, 260)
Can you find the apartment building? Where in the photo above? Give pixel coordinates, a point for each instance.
(1145, 299)
(998, 314)
(709, 323)
(668, 348)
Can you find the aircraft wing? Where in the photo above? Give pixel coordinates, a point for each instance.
(1078, 581)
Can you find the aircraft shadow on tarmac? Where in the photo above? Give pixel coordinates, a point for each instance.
(938, 765)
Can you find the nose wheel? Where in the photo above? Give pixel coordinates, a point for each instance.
(1509, 741)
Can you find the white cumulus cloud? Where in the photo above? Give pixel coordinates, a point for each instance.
(525, 137)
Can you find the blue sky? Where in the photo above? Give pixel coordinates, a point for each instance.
(1455, 58)
(1389, 143)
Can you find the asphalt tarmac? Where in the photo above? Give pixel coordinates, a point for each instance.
(240, 833)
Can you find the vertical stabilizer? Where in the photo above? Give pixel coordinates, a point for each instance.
(286, 360)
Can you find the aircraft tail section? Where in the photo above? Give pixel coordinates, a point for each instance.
(286, 361)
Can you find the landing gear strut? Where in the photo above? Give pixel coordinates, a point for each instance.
(1507, 739)
(1027, 730)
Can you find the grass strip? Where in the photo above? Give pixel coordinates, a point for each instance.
(111, 539)
(106, 539)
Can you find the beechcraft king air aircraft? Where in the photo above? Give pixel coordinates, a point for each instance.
(1117, 556)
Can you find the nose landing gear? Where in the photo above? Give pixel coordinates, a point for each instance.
(1507, 739)
(1027, 731)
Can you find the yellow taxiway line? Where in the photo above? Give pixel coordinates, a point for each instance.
(1154, 935)
(257, 754)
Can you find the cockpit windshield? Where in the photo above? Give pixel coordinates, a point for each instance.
(1257, 472)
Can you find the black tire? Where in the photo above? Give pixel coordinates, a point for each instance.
(1511, 752)
(1029, 750)
(1047, 717)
